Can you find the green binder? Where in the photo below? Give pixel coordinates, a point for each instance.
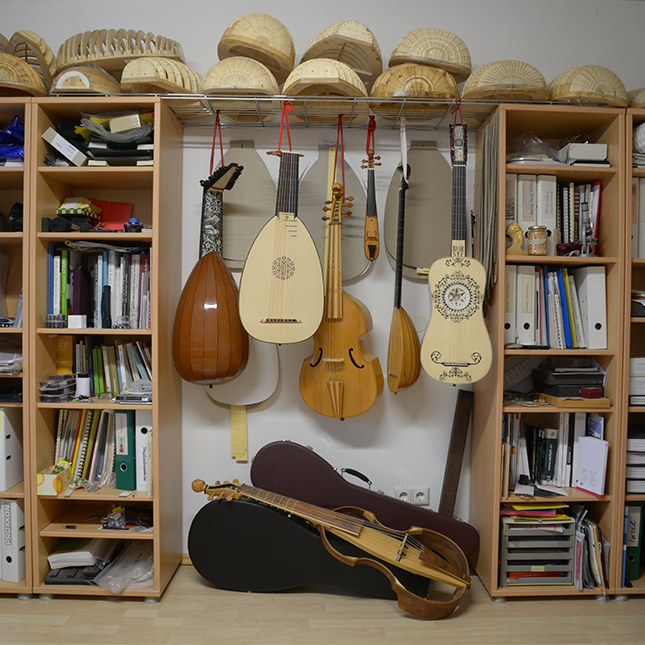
(126, 474)
(633, 539)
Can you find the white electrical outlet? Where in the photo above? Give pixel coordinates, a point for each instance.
(420, 496)
(404, 493)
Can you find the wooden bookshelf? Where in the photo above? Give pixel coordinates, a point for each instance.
(14, 187)
(155, 192)
(553, 123)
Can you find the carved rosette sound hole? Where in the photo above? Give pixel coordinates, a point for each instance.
(283, 268)
(457, 297)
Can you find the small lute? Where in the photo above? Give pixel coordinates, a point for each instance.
(456, 347)
(372, 245)
(403, 360)
(209, 344)
(420, 551)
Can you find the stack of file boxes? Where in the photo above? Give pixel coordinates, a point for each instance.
(535, 553)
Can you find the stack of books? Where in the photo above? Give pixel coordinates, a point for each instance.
(637, 379)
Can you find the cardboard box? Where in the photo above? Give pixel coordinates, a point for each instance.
(64, 147)
(125, 123)
(55, 479)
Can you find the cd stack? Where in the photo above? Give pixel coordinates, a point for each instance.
(635, 469)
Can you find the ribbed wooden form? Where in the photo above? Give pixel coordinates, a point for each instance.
(263, 38)
(325, 77)
(158, 75)
(506, 80)
(636, 98)
(209, 345)
(112, 49)
(436, 47)
(31, 48)
(414, 81)
(18, 78)
(588, 84)
(84, 79)
(352, 43)
(239, 76)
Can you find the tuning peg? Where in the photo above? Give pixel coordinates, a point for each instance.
(236, 481)
(324, 218)
(346, 213)
(229, 497)
(217, 483)
(349, 198)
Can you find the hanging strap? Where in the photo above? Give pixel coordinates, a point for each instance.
(370, 134)
(217, 131)
(340, 144)
(284, 118)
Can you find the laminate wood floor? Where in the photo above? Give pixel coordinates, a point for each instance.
(192, 612)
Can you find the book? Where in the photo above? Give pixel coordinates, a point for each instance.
(11, 451)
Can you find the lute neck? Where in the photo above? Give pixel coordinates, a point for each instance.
(287, 198)
(400, 235)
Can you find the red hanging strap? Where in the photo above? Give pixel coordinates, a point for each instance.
(456, 111)
(284, 118)
(217, 131)
(370, 134)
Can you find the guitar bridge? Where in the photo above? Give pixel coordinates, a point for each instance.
(288, 321)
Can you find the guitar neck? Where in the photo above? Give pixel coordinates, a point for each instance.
(458, 232)
(287, 198)
(315, 514)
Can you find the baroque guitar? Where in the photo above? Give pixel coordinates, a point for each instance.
(456, 347)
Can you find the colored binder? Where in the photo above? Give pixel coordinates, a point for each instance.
(126, 476)
(590, 283)
(13, 540)
(11, 461)
(633, 539)
(143, 432)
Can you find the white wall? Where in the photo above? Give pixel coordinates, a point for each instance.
(403, 439)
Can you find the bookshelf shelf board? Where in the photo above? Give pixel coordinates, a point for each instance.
(633, 497)
(89, 590)
(101, 177)
(92, 331)
(638, 172)
(12, 587)
(15, 492)
(574, 173)
(105, 495)
(14, 238)
(551, 591)
(11, 177)
(636, 408)
(78, 516)
(560, 352)
(560, 260)
(637, 320)
(546, 408)
(16, 375)
(108, 236)
(101, 404)
(573, 495)
(10, 330)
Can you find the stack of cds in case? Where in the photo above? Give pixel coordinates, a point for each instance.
(635, 468)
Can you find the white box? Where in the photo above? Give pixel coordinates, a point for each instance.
(637, 365)
(11, 455)
(64, 147)
(636, 385)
